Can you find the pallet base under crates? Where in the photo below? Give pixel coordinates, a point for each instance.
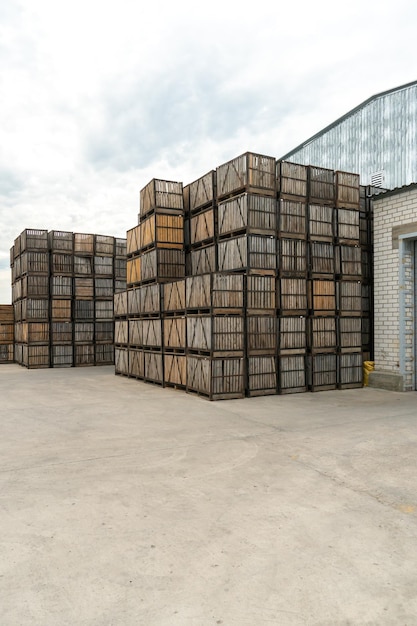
(215, 396)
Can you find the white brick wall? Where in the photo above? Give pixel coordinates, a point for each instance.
(395, 210)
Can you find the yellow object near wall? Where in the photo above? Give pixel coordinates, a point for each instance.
(368, 366)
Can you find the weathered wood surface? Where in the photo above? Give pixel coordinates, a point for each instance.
(83, 309)
(293, 295)
(293, 259)
(62, 332)
(249, 212)
(261, 294)
(121, 361)
(216, 379)
(323, 333)
(349, 261)
(174, 296)
(261, 335)
(292, 374)
(322, 372)
(104, 245)
(292, 334)
(84, 355)
(35, 356)
(103, 266)
(104, 309)
(61, 287)
(203, 260)
(322, 296)
(348, 226)
(248, 252)
(161, 194)
(154, 366)
(292, 178)
(175, 370)
(33, 239)
(347, 190)
(59, 240)
(322, 258)
(349, 297)
(62, 355)
(350, 370)
(202, 227)
(250, 172)
(34, 263)
(175, 332)
(292, 218)
(83, 288)
(61, 309)
(163, 265)
(103, 288)
(218, 335)
(321, 222)
(261, 375)
(121, 332)
(83, 265)
(162, 231)
(215, 291)
(83, 332)
(136, 366)
(84, 244)
(104, 354)
(350, 332)
(202, 192)
(321, 185)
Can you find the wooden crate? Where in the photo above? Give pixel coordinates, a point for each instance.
(103, 309)
(7, 353)
(260, 294)
(292, 296)
(83, 265)
(17, 310)
(218, 336)
(120, 247)
(162, 230)
(322, 258)
(347, 190)
(104, 354)
(6, 313)
(292, 218)
(136, 364)
(203, 227)
(323, 334)
(35, 310)
(61, 333)
(350, 370)
(32, 332)
(83, 244)
(104, 288)
(6, 333)
(175, 370)
(203, 260)
(261, 335)
(292, 257)
(83, 288)
(35, 357)
(154, 366)
(62, 355)
(202, 192)
(321, 222)
(350, 334)
(33, 239)
(322, 297)
(348, 226)
(151, 329)
(61, 310)
(175, 333)
(261, 376)
(292, 374)
(349, 261)
(161, 194)
(62, 264)
(104, 332)
(104, 245)
(216, 292)
(84, 355)
(349, 297)
(121, 332)
(133, 302)
(60, 241)
(134, 240)
(292, 335)
(321, 185)
(120, 269)
(135, 333)
(120, 304)
(103, 266)
(121, 361)
(250, 172)
(214, 378)
(18, 353)
(249, 213)
(322, 370)
(133, 270)
(83, 332)
(34, 263)
(83, 310)
(173, 296)
(257, 252)
(291, 179)
(61, 287)
(162, 265)
(150, 299)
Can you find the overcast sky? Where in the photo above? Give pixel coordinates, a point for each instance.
(98, 97)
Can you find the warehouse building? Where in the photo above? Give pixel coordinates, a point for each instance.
(377, 139)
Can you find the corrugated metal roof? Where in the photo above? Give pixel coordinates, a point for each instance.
(393, 192)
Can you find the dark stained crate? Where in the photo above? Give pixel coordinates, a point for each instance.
(260, 294)
(349, 297)
(350, 370)
(83, 309)
(161, 194)
(367, 328)
(6, 332)
(83, 332)
(133, 241)
(103, 266)
(18, 353)
(35, 310)
(173, 299)
(261, 335)
(35, 356)
(366, 264)
(322, 296)
(154, 366)
(349, 261)
(103, 309)
(347, 190)
(35, 286)
(120, 269)
(321, 185)
(62, 264)
(61, 309)
(83, 288)
(216, 378)
(162, 265)
(33, 239)
(121, 361)
(321, 222)
(292, 219)
(322, 372)
(348, 226)
(292, 296)
(322, 258)
(120, 304)
(162, 230)
(248, 172)
(83, 265)
(83, 244)
(121, 332)
(84, 355)
(120, 247)
(103, 288)
(133, 270)
(349, 333)
(292, 257)
(104, 245)
(291, 179)
(62, 355)
(7, 353)
(104, 332)
(34, 263)
(61, 333)
(218, 291)
(202, 260)
(322, 334)
(136, 363)
(366, 299)
(202, 192)
(119, 285)
(202, 227)
(104, 354)
(61, 287)
(218, 336)
(175, 370)
(250, 213)
(292, 374)
(60, 241)
(292, 335)
(261, 375)
(175, 333)
(257, 252)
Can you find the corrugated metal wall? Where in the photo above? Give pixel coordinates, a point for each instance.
(381, 136)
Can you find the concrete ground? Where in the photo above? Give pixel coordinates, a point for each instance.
(124, 504)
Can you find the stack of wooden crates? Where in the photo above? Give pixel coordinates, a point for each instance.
(251, 280)
(6, 333)
(63, 286)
